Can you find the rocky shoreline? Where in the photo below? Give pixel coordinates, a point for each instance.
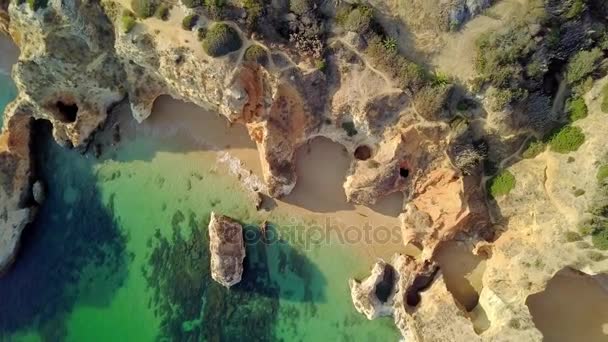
(410, 138)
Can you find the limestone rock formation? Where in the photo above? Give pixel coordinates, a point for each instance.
(67, 71)
(444, 207)
(417, 298)
(227, 249)
(371, 296)
(15, 183)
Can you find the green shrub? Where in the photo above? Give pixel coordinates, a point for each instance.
(221, 39)
(189, 21)
(599, 238)
(583, 87)
(358, 19)
(567, 139)
(128, 21)
(501, 184)
(390, 44)
(576, 8)
(499, 98)
(577, 109)
(579, 192)
(201, 33)
(321, 65)
(535, 147)
(254, 9)
(349, 128)
(602, 173)
(604, 105)
(573, 236)
(162, 12)
(499, 54)
(439, 79)
(37, 4)
(582, 65)
(408, 74)
(192, 3)
(300, 6)
(257, 54)
(143, 8)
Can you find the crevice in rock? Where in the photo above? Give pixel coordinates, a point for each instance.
(404, 172)
(421, 282)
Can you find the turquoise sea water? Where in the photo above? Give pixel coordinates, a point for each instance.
(7, 93)
(119, 252)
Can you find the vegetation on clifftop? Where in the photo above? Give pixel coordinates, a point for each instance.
(501, 184)
(256, 53)
(127, 21)
(576, 108)
(567, 139)
(221, 39)
(189, 21)
(534, 148)
(604, 104)
(143, 8)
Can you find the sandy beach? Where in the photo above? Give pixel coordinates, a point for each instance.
(321, 168)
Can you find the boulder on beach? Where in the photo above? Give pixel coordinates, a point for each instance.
(227, 248)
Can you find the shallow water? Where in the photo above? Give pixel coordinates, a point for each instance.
(8, 92)
(119, 250)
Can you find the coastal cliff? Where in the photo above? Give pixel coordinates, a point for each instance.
(290, 77)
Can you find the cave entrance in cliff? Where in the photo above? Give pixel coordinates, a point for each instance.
(67, 111)
(573, 307)
(363, 152)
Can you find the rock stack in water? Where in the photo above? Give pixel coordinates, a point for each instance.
(227, 248)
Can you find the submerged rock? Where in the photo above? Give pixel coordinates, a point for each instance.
(227, 248)
(39, 192)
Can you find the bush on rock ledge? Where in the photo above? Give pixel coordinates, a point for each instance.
(221, 39)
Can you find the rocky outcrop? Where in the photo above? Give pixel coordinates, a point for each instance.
(398, 165)
(67, 71)
(371, 296)
(424, 309)
(462, 211)
(416, 296)
(227, 249)
(16, 210)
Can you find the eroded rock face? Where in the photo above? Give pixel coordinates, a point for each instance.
(424, 309)
(15, 184)
(443, 207)
(399, 164)
(371, 296)
(227, 249)
(68, 73)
